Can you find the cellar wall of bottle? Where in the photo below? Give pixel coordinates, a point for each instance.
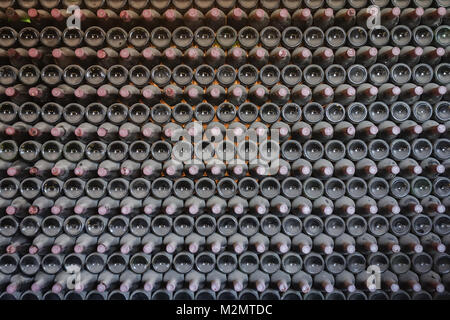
(224, 149)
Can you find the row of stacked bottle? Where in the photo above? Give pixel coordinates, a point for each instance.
(224, 150)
